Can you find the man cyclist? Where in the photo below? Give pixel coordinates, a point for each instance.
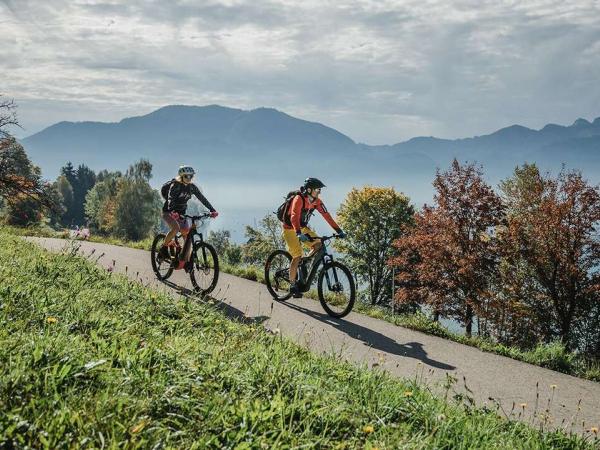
(180, 191)
(295, 226)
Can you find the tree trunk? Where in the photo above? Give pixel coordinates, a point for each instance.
(469, 321)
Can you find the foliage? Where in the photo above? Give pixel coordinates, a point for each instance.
(100, 203)
(98, 361)
(448, 259)
(373, 218)
(551, 252)
(262, 240)
(137, 205)
(228, 251)
(25, 196)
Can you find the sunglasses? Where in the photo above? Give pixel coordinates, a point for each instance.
(188, 177)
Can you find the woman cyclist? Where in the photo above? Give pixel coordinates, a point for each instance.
(180, 191)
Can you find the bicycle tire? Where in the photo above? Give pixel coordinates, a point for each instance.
(269, 279)
(200, 266)
(153, 252)
(351, 300)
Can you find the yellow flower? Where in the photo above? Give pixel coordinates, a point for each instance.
(140, 426)
(368, 429)
(553, 386)
(408, 393)
(523, 405)
(51, 320)
(594, 430)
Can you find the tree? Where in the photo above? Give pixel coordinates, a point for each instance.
(21, 184)
(262, 240)
(100, 203)
(373, 219)
(551, 241)
(137, 208)
(8, 117)
(448, 259)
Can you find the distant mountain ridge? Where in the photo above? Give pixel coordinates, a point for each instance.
(267, 145)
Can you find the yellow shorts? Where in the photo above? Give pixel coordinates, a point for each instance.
(293, 243)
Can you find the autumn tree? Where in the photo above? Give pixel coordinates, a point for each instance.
(373, 218)
(448, 259)
(24, 193)
(550, 251)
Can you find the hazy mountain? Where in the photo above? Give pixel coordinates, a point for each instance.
(248, 159)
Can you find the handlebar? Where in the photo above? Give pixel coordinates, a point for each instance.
(323, 238)
(195, 218)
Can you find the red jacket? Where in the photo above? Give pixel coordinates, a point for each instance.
(300, 211)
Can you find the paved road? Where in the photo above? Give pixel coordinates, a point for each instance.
(573, 403)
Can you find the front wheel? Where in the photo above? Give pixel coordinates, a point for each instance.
(277, 274)
(161, 266)
(204, 273)
(336, 289)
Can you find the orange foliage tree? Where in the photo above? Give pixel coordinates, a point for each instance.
(550, 252)
(448, 259)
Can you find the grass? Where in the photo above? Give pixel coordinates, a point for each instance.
(552, 356)
(89, 359)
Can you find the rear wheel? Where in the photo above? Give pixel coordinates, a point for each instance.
(277, 274)
(161, 266)
(205, 271)
(336, 289)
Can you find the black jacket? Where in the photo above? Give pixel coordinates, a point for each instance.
(180, 194)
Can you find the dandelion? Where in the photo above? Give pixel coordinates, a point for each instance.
(368, 429)
(523, 405)
(408, 393)
(51, 320)
(594, 430)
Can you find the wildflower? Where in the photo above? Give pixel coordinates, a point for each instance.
(51, 320)
(594, 430)
(553, 386)
(368, 429)
(523, 405)
(408, 393)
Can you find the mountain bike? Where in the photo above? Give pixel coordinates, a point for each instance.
(335, 284)
(203, 265)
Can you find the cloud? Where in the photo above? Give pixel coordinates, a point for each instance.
(379, 71)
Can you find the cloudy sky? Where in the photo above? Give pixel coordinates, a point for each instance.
(380, 71)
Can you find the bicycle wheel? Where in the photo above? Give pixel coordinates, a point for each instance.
(161, 267)
(277, 274)
(336, 289)
(205, 271)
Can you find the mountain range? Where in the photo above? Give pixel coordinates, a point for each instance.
(250, 157)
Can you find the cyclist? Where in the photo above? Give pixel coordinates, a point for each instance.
(295, 226)
(180, 191)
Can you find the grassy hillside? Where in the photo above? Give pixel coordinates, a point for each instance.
(90, 360)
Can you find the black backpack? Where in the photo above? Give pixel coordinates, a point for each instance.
(283, 208)
(164, 190)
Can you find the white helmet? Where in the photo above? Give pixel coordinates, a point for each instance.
(186, 170)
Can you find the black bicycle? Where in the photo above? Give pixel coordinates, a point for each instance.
(335, 284)
(203, 265)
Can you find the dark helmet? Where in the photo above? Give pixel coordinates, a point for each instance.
(313, 183)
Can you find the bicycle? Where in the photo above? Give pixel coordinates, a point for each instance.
(335, 284)
(203, 266)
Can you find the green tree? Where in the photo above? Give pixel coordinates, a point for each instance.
(373, 219)
(137, 209)
(262, 240)
(100, 202)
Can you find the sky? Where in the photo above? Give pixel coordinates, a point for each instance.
(379, 71)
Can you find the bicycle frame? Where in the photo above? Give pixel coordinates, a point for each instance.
(189, 238)
(321, 257)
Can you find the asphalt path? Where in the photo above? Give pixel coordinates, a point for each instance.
(539, 396)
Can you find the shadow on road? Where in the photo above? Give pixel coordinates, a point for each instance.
(229, 310)
(375, 339)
